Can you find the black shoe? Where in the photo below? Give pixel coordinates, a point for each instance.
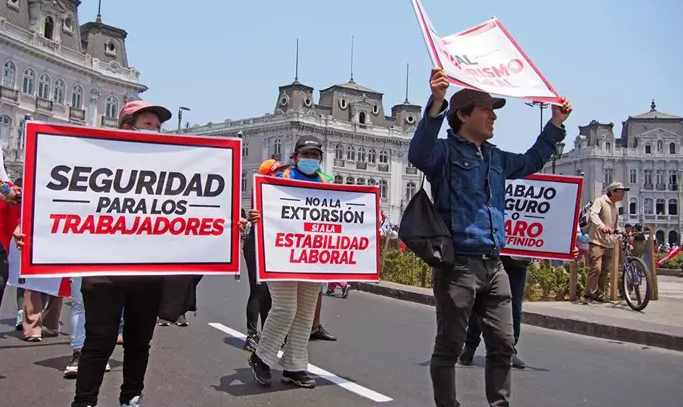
(251, 342)
(345, 290)
(260, 371)
(321, 334)
(299, 379)
(182, 321)
(466, 356)
(163, 322)
(72, 368)
(517, 363)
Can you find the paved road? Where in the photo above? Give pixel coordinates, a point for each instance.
(383, 352)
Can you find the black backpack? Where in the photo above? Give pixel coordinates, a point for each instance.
(584, 216)
(425, 233)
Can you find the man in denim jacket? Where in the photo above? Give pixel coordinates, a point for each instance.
(468, 174)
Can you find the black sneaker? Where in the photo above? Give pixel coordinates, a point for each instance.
(251, 342)
(466, 356)
(299, 379)
(163, 322)
(182, 321)
(260, 371)
(517, 363)
(345, 290)
(72, 368)
(320, 334)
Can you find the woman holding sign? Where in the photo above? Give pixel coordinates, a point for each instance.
(293, 302)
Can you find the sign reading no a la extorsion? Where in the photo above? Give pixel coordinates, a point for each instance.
(316, 232)
(111, 202)
(541, 215)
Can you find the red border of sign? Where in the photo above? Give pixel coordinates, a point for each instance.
(264, 275)
(552, 255)
(28, 269)
(437, 60)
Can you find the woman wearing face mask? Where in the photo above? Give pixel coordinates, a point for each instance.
(293, 302)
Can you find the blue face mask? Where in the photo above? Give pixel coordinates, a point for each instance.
(308, 165)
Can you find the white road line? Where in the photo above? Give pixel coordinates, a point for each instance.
(323, 374)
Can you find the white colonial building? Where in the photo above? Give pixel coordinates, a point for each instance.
(362, 145)
(56, 70)
(647, 157)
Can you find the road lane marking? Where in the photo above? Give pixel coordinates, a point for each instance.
(323, 374)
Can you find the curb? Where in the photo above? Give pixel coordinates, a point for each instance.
(656, 339)
(669, 272)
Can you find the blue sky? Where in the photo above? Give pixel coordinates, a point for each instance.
(226, 58)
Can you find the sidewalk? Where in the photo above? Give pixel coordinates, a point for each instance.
(660, 324)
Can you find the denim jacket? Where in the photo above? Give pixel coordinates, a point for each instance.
(469, 190)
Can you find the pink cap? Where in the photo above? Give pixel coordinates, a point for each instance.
(134, 107)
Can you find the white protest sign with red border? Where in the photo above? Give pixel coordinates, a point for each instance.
(112, 202)
(541, 216)
(57, 286)
(316, 232)
(486, 58)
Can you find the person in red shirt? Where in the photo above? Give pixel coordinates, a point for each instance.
(9, 219)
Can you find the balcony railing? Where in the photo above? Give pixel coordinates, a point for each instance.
(338, 162)
(648, 187)
(109, 122)
(76, 114)
(411, 170)
(276, 157)
(9, 93)
(673, 187)
(44, 104)
(661, 187)
(383, 167)
(361, 166)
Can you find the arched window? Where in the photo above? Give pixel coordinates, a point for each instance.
(660, 206)
(350, 153)
(672, 148)
(633, 206)
(245, 149)
(361, 154)
(410, 190)
(277, 146)
(372, 182)
(60, 92)
(673, 238)
(360, 181)
(44, 87)
(77, 97)
(338, 179)
(245, 181)
(659, 235)
(383, 189)
(29, 85)
(49, 27)
(383, 157)
(673, 206)
(648, 148)
(660, 146)
(648, 206)
(361, 117)
(111, 107)
(372, 156)
(350, 181)
(339, 152)
(608, 147)
(9, 74)
(5, 130)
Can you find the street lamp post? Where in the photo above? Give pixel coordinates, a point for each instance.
(559, 147)
(180, 116)
(541, 107)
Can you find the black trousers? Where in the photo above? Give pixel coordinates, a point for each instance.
(104, 298)
(482, 286)
(4, 271)
(259, 301)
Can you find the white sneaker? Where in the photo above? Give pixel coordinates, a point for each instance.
(107, 368)
(134, 402)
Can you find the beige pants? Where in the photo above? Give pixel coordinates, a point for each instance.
(601, 260)
(37, 314)
(291, 316)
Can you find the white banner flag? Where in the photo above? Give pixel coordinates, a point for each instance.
(486, 58)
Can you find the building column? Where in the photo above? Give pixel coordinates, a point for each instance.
(92, 108)
(265, 149)
(396, 192)
(328, 160)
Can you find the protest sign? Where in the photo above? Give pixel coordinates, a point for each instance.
(486, 58)
(316, 232)
(57, 286)
(541, 216)
(112, 202)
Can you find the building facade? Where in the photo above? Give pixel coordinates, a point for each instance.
(56, 70)
(647, 157)
(362, 145)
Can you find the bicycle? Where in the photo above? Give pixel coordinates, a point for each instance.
(635, 271)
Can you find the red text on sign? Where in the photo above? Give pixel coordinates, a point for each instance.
(135, 225)
(322, 227)
(521, 233)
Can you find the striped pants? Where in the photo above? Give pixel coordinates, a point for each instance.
(291, 316)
